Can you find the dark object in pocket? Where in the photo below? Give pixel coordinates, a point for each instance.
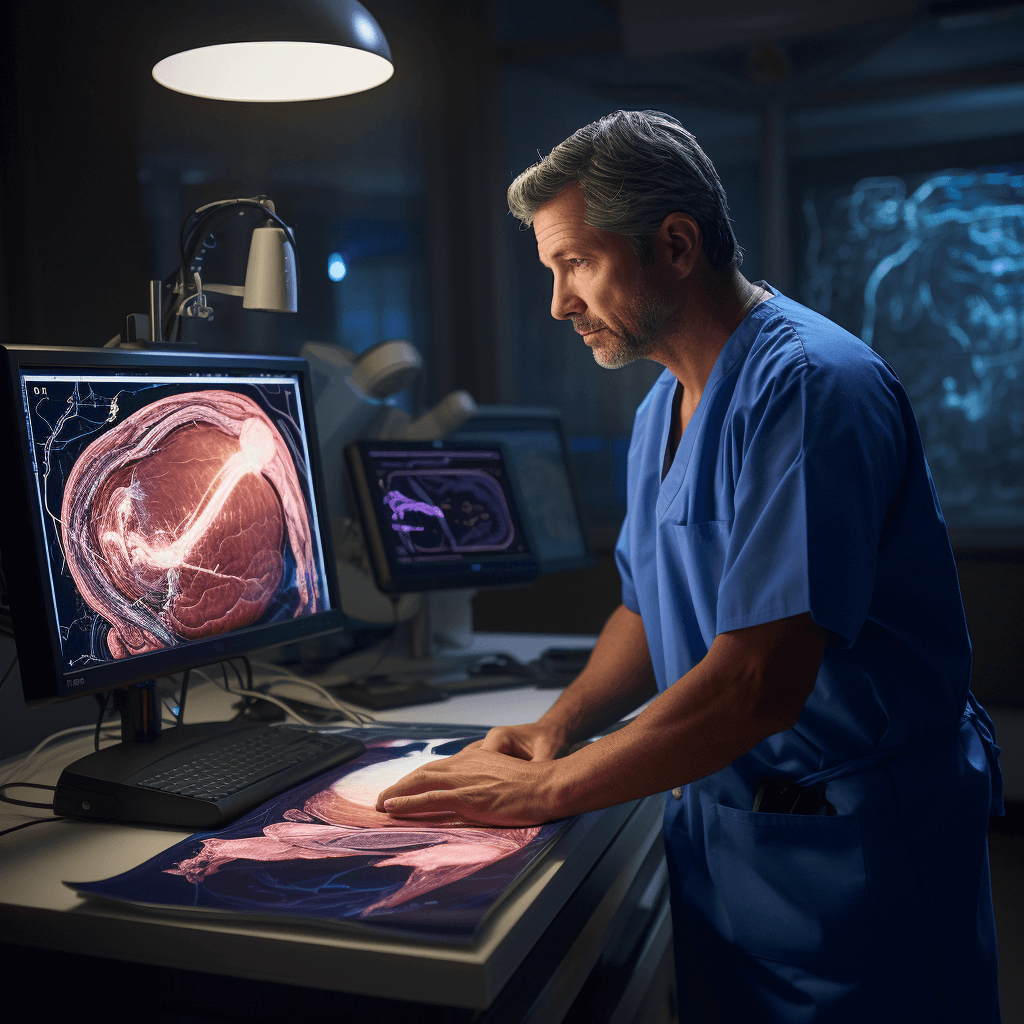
(780, 796)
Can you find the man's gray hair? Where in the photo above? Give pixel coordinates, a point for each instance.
(635, 168)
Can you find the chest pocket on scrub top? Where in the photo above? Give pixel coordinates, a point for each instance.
(694, 555)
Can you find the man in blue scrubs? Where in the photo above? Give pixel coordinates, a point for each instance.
(789, 592)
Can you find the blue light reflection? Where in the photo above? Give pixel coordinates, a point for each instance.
(336, 268)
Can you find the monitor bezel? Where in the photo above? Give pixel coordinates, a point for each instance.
(392, 578)
(44, 680)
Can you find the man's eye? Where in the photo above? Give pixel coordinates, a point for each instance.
(577, 262)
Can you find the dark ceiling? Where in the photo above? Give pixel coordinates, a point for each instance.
(910, 48)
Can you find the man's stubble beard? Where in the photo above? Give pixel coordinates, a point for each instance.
(648, 318)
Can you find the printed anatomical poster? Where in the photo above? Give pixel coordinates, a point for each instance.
(321, 851)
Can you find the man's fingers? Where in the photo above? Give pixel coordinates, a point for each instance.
(510, 742)
(406, 788)
(498, 740)
(434, 801)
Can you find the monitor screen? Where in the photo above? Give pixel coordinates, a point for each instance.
(542, 478)
(927, 268)
(438, 515)
(163, 511)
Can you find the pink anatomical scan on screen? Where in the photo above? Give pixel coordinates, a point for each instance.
(323, 851)
(180, 515)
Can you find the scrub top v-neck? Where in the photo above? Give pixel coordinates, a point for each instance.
(800, 485)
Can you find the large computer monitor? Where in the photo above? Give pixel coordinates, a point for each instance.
(161, 511)
(922, 259)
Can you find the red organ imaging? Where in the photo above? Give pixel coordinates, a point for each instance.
(175, 522)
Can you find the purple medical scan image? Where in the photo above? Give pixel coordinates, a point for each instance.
(457, 510)
(174, 522)
(400, 504)
(323, 851)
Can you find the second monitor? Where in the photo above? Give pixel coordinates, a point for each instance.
(438, 515)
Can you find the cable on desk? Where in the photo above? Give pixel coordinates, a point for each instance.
(389, 643)
(253, 694)
(34, 821)
(25, 803)
(258, 696)
(22, 765)
(349, 711)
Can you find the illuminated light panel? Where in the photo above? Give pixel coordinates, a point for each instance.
(272, 71)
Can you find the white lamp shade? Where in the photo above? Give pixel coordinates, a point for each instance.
(272, 52)
(270, 274)
(274, 71)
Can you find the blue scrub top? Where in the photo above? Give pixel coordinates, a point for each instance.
(800, 485)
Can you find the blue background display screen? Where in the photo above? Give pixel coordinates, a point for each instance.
(928, 269)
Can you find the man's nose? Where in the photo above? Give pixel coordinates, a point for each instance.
(565, 302)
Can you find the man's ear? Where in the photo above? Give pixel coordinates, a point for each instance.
(680, 239)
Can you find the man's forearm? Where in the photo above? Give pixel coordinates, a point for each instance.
(752, 684)
(618, 678)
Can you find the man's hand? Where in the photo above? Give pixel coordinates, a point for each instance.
(477, 785)
(511, 777)
(533, 742)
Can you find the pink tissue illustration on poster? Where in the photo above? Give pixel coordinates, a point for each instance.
(341, 821)
(322, 850)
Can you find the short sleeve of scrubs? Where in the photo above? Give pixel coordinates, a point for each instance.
(819, 456)
(629, 598)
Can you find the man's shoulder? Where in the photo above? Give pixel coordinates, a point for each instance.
(795, 342)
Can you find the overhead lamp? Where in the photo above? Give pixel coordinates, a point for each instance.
(275, 52)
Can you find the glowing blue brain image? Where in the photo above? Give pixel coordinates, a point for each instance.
(457, 510)
(932, 276)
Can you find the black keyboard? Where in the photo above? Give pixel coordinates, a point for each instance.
(232, 767)
(198, 776)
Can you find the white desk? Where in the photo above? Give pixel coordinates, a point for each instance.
(530, 962)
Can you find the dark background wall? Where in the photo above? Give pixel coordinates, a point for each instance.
(99, 164)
